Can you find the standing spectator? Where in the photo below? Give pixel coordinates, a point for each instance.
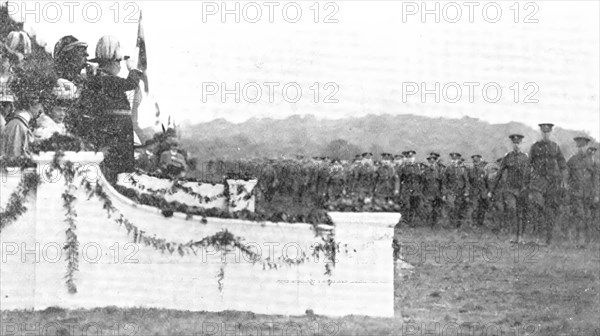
(18, 136)
(106, 100)
(70, 59)
(19, 41)
(8, 58)
(548, 178)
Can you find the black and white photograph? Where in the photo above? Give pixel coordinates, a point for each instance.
(305, 168)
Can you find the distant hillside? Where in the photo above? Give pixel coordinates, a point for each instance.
(309, 136)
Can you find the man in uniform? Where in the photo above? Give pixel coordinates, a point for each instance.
(410, 188)
(592, 153)
(514, 168)
(456, 188)
(385, 179)
(479, 189)
(432, 191)
(548, 178)
(336, 181)
(583, 191)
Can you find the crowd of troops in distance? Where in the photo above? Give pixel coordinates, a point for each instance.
(519, 193)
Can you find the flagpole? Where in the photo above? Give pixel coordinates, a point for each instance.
(142, 65)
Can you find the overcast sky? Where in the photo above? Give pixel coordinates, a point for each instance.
(376, 56)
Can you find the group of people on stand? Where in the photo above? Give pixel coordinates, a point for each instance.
(77, 96)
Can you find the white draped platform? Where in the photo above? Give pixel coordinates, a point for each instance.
(113, 271)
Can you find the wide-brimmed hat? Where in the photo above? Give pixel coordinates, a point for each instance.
(66, 44)
(19, 41)
(108, 49)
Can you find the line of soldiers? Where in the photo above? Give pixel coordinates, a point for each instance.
(517, 192)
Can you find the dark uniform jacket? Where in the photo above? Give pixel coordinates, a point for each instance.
(582, 176)
(547, 160)
(432, 181)
(478, 181)
(516, 171)
(456, 180)
(410, 179)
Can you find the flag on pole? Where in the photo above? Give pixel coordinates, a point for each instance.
(141, 46)
(144, 106)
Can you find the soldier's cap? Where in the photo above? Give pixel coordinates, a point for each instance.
(582, 138)
(431, 157)
(434, 154)
(398, 156)
(357, 156)
(454, 154)
(592, 149)
(385, 155)
(410, 152)
(475, 155)
(546, 127)
(516, 137)
(66, 44)
(367, 154)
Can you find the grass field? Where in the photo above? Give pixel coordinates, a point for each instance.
(492, 287)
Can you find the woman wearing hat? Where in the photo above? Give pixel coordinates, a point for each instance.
(106, 100)
(19, 42)
(8, 58)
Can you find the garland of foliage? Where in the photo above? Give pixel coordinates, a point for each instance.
(71, 245)
(221, 241)
(173, 189)
(60, 143)
(169, 208)
(15, 206)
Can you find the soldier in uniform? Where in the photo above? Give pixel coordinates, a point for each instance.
(548, 178)
(496, 203)
(456, 188)
(336, 181)
(583, 191)
(410, 188)
(479, 189)
(514, 167)
(592, 153)
(398, 160)
(365, 179)
(385, 179)
(432, 191)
